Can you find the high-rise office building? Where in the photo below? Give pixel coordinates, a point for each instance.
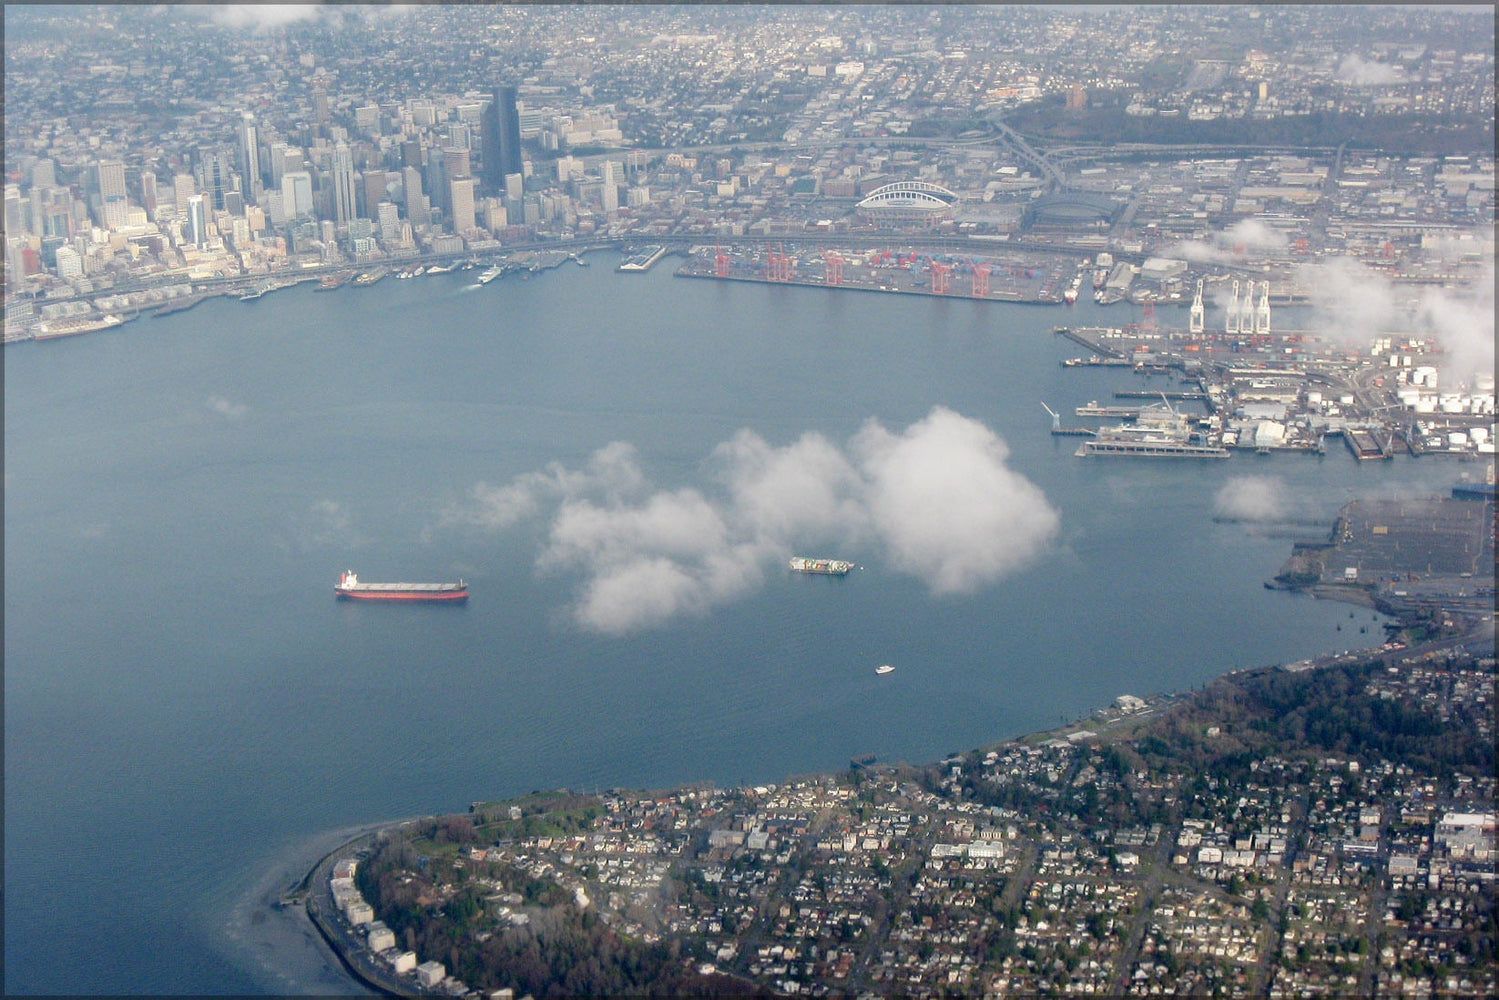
(459, 136)
(390, 222)
(343, 184)
(278, 162)
(44, 173)
(149, 197)
(456, 162)
(214, 176)
(249, 157)
(113, 205)
(611, 188)
(411, 187)
(322, 111)
(183, 188)
(15, 211)
(296, 194)
(499, 139)
(375, 181)
(197, 220)
(462, 199)
(69, 263)
(490, 172)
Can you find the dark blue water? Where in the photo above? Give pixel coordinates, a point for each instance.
(184, 698)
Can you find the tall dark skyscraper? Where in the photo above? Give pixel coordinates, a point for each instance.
(215, 169)
(499, 139)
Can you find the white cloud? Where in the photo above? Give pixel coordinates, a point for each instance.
(1354, 304)
(949, 509)
(1251, 498)
(1357, 71)
(263, 16)
(612, 469)
(1463, 323)
(795, 493)
(1247, 234)
(1253, 234)
(226, 408)
(938, 498)
(326, 524)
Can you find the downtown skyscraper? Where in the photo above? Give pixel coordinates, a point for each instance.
(499, 140)
(343, 184)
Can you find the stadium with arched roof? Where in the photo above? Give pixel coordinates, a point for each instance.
(1072, 210)
(908, 203)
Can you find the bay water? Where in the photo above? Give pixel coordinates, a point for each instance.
(185, 701)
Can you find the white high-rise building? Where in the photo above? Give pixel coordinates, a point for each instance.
(249, 157)
(197, 220)
(296, 193)
(611, 187)
(343, 184)
(461, 190)
(69, 263)
(390, 222)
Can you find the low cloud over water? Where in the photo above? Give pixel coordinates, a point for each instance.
(1251, 498)
(937, 500)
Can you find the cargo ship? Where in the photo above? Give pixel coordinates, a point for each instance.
(350, 588)
(827, 567)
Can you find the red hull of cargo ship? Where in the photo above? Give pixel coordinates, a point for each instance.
(349, 588)
(457, 595)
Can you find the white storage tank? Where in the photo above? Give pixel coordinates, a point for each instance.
(1457, 440)
(1478, 434)
(1314, 399)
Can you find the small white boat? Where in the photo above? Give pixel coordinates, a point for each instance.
(886, 669)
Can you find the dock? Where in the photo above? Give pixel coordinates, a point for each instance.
(1097, 362)
(1094, 345)
(1364, 445)
(1177, 394)
(644, 260)
(1113, 412)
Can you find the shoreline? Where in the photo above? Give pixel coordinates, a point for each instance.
(276, 941)
(339, 965)
(313, 881)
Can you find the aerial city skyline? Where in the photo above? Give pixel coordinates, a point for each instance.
(465, 412)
